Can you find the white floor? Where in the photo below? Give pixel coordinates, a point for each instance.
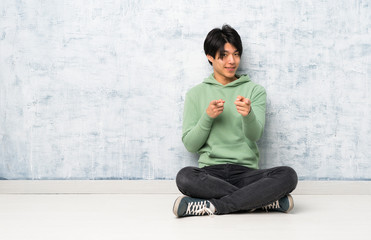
(149, 216)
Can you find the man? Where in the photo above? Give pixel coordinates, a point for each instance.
(223, 118)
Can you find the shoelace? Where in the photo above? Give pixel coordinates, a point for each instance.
(273, 205)
(198, 208)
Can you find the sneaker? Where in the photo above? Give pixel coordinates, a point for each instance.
(285, 204)
(186, 206)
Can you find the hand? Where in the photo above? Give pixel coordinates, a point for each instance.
(215, 108)
(243, 105)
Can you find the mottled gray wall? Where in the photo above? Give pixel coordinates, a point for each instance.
(95, 89)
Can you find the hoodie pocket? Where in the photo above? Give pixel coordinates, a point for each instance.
(239, 151)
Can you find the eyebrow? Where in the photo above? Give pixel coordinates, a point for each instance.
(228, 52)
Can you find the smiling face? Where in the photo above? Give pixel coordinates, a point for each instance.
(225, 64)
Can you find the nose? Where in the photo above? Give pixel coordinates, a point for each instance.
(231, 59)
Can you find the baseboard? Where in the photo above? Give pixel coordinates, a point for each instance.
(161, 187)
(88, 186)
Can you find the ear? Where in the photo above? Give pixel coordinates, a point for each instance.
(210, 58)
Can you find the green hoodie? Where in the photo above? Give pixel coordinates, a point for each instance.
(229, 138)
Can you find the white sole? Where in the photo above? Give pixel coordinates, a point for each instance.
(291, 201)
(176, 205)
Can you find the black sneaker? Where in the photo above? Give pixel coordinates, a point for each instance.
(285, 204)
(186, 206)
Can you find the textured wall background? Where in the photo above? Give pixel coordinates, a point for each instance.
(95, 89)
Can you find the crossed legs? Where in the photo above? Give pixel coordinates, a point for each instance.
(231, 188)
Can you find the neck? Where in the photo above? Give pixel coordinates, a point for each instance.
(224, 80)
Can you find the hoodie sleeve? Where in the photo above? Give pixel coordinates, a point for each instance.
(253, 123)
(196, 129)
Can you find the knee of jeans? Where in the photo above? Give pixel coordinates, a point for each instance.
(183, 177)
(291, 176)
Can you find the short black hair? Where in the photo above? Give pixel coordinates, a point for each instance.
(217, 38)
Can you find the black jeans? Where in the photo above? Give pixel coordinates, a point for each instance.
(232, 188)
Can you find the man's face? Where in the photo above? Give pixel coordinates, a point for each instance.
(226, 64)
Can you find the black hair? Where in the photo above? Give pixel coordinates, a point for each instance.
(217, 38)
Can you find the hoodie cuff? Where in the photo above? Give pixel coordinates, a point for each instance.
(250, 117)
(205, 122)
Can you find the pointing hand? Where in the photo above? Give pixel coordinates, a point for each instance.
(243, 105)
(215, 108)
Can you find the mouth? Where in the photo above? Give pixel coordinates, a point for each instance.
(230, 69)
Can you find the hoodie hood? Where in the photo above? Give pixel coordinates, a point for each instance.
(241, 79)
